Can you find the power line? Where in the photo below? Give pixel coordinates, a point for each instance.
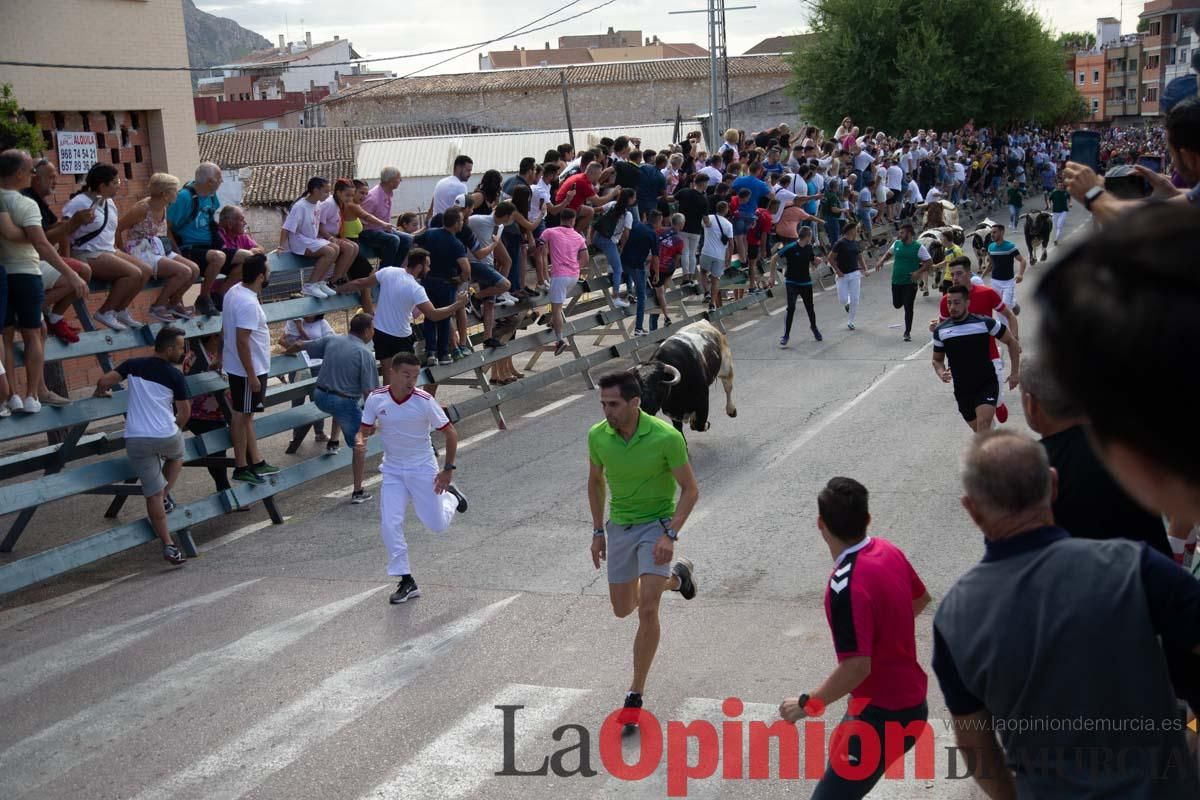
(459, 51)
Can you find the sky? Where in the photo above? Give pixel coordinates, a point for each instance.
(379, 27)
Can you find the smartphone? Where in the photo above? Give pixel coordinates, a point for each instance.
(1085, 148)
(1152, 163)
(1126, 184)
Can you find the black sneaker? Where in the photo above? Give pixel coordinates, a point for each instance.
(169, 503)
(246, 475)
(332, 447)
(817, 335)
(173, 555)
(462, 498)
(360, 497)
(206, 306)
(405, 591)
(631, 712)
(493, 343)
(908, 337)
(293, 447)
(683, 569)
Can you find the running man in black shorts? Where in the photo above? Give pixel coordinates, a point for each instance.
(965, 337)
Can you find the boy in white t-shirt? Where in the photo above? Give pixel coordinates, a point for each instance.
(404, 416)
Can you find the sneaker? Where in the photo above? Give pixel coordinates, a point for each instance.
(505, 300)
(173, 554)
(333, 447)
(817, 335)
(849, 326)
(431, 361)
(309, 290)
(475, 306)
(619, 303)
(54, 399)
(162, 314)
(462, 498)
(445, 360)
(456, 354)
(247, 475)
(638, 332)
(712, 306)
(109, 319)
(631, 712)
(30, 405)
(169, 503)
(847, 307)
(330, 289)
(1016, 308)
(181, 313)
(63, 331)
(265, 469)
(127, 319)
(1002, 413)
(360, 497)
(5, 411)
(206, 306)
(908, 337)
(320, 437)
(405, 591)
(684, 569)
(783, 340)
(493, 343)
(559, 346)
(15, 404)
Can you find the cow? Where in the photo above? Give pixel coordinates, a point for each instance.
(979, 241)
(677, 377)
(1039, 226)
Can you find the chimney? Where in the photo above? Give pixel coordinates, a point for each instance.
(656, 39)
(547, 45)
(647, 41)
(281, 42)
(610, 31)
(336, 37)
(308, 38)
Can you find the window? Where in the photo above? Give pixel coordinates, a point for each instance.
(1131, 95)
(1155, 28)
(1095, 105)
(1183, 55)
(1095, 76)
(1151, 95)
(1133, 65)
(1081, 78)
(1171, 56)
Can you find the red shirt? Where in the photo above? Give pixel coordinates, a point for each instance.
(982, 301)
(868, 604)
(762, 226)
(670, 247)
(583, 190)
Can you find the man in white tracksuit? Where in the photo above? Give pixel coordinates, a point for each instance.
(404, 416)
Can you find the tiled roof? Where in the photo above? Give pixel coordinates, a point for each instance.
(247, 148)
(685, 50)
(556, 56)
(781, 44)
(275, 55)
(282, 184)
(613, 73)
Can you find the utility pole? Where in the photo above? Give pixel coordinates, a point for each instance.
(567, 109)
(718, 69)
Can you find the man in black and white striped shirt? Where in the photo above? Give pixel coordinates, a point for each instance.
(965, 338)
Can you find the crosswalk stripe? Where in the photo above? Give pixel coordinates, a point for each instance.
(273, 743)
(233, 536)
(43, 757)
(557, 404)
(20, 676)
(346, 491)
(745, 325)
(463, 758)
(17, 616)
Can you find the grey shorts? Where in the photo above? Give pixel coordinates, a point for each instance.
(713, 266)
(631, 551)
(560, 287)
(147, 456)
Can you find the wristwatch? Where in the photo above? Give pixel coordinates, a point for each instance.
(802, 701)
(670, 532)
(448, 467)
(1091, 195)
(597, 532)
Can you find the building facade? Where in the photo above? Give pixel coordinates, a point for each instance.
(1123, 86)
(1168, 45)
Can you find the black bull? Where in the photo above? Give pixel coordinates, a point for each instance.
(1038, 227)
(677, 378)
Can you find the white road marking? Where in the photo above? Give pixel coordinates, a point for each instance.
(557, 404)
(460, 760)
(346, 491)
(812, 432)
(53, 751)
(233, 536)
(479, 437)
(917, 354)
(779, 310)
(280, 739)
(28, 672)
(22, 614)
(745, 325)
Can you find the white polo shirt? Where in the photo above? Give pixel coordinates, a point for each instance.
(404, 427)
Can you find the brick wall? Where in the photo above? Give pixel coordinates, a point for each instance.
(653, 102)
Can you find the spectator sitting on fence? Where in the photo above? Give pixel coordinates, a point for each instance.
(231, 227)
(297, 332)
(391, 244)
(158, 408)
(301, 235)
(59, 234)
(210, 412)
(23, 289)
(142, 228)
(409, 222)
(349, 374)
(96, 242)
(192, 226)
(247, 360)
(347, 198)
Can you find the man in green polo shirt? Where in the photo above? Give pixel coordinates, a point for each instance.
(638, 459)
(910, 263)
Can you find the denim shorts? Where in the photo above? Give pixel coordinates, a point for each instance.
(485, 276)
(346, 412)
(741, 225)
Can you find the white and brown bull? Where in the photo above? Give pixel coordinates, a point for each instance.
(677, 378)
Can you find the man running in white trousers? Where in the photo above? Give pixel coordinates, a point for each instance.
(404, 416)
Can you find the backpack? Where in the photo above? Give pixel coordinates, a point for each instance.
(214, 236)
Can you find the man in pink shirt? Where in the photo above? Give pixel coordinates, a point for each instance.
(568, 256)
(231, 225)
(391, 245)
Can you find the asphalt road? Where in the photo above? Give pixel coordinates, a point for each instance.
(273, 666)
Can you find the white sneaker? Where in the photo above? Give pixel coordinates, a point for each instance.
(14, 403)
(31, 405)
(619, 303)
(125, 318)
(505, 300)
(109, 319)
(327, 289)
(162, 314)
(312, 290)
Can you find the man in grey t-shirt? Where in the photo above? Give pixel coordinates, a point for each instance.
(347, 374)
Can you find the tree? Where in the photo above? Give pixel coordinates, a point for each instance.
(15, 130)
(1076, 40)
(1143, 25)
(897, 64)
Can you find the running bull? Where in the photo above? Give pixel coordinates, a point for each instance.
(1039, 225)
(677, 377)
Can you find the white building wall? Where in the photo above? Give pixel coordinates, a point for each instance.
(318, 68)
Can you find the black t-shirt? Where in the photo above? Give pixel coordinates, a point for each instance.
(49, 218)
(799, 259)
(627, 174)
(1090, 504)
(444, 251)
(967, 343)
(694, 206)
(846, 251)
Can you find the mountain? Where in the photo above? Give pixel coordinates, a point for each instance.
(216, 40)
